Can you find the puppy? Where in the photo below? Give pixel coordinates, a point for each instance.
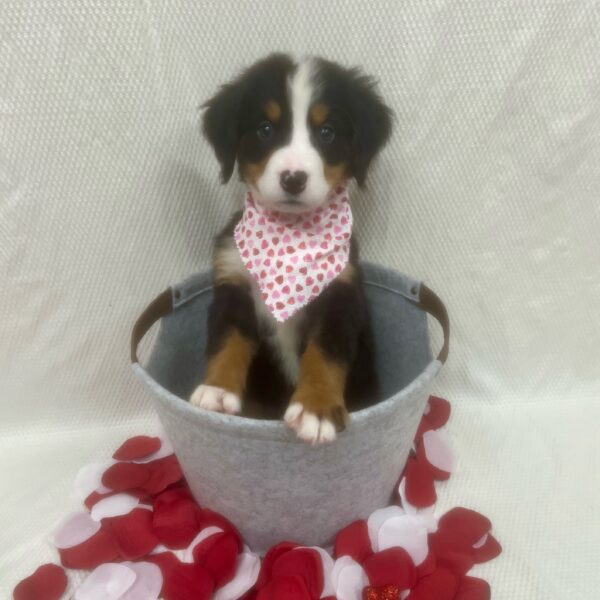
(298, 133)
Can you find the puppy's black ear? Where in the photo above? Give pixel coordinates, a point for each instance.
(371, 122)
(222, 120)
(220, 125)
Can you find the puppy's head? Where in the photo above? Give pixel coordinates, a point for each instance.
(296, 131)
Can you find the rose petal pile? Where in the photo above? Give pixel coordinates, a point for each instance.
(143, 536)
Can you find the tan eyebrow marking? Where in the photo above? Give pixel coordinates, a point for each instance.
(273, 111)
(318, 113)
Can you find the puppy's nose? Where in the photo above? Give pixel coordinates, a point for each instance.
(293, 183)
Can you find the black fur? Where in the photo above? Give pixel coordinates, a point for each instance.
(362, 122)
(338, 320)
(233, 114)
(359, 110)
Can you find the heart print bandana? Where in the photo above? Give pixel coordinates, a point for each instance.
(294, 257)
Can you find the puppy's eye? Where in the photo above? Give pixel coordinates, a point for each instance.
(265, 131)
(326, 134)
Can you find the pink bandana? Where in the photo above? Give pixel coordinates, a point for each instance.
(294, 257)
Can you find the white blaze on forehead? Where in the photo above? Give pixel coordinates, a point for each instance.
(301, 92)
(298, 154)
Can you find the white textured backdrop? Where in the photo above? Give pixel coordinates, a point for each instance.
(489, 191)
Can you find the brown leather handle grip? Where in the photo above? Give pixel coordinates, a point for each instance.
(159, 307)
(430, 302)
(163, 304)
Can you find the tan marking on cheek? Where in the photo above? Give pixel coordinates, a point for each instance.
(228, 267)
(335, 174)
(228, 368)
(348, 275)
(318, 113)
(251, 172)
(321, 385)
(273, 111)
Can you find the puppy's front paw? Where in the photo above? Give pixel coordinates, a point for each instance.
(216, 399)
(316, 427)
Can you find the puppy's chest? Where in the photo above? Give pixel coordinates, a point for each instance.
(285, 339)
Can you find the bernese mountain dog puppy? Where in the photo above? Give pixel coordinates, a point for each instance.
(298, 132)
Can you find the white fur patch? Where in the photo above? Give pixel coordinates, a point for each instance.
(284, 338)
(308, 426)
(216, 399)
(298, 155)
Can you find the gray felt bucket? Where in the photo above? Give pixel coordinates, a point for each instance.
(256, 472)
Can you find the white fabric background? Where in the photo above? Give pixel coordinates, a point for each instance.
(489, 191)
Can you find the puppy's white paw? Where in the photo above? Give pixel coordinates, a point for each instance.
(216, 399)
(308, 426)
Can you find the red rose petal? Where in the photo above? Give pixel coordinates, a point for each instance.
(133, 533)
(208, 518)
(439, 412)
(173, 495)
(218, 554)
(167, 562)
(472, 588)
(490, 550)
(441, 585)
(269, 559)
(47, 582)
(292, 587)
(305, 563)
(125, 476)
(391, 567)
(420, 489)
(163, 473)
(175, 523)
(427, 567)
(137, 447)
(452, 554)
(187, 582)
(354, 541)
(100, 548)
(464, 524)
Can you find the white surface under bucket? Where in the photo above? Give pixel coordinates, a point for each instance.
(271, 485)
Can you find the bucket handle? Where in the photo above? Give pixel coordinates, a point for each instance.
(162, 305)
